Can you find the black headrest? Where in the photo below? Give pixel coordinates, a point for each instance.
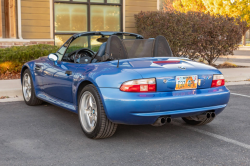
(101, 50)
(161, 47)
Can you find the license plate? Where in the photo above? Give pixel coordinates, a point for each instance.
(186, 82)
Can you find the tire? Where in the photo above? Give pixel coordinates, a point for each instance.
(28, 90)
(92, 117)
(197, 123)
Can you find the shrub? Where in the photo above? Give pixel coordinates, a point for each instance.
(192, 34)
(219, 36)
(175, 26)
(22, 54)
(13, 58)
(12, 67)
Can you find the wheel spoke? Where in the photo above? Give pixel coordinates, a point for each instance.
(90, 101)
(88, 114)
(27, 90)
(28, 80)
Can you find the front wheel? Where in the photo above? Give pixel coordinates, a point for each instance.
(29, 90)
(93, 119)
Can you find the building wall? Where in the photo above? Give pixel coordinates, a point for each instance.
(35, 19)
(133, 7)
(3, 21)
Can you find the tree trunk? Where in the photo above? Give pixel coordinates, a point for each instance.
(244, 40)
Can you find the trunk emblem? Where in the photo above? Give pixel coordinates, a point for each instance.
(165, 81)
(182, 67)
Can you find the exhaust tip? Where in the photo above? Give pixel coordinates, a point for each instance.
(213, 115)
(163, 120)
(160, 122)
(208, 115)
(169, 120)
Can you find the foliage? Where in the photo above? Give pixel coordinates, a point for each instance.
(22, 54)
(189, 5)
(228, 65)
(231, 8)
(12, 67)
(167, 5)
(12, 59)
(192, 34)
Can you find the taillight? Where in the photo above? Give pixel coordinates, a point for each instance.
(218, 80)
(142, 85)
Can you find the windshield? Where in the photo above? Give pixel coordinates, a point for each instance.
(92, 42)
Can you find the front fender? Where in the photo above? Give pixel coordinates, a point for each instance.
(31, 66)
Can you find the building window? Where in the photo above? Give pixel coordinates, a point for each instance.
(74, 16)
(105, 18)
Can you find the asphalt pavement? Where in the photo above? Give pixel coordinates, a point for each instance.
(48, 135)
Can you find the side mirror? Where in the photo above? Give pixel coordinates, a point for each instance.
(53, 57)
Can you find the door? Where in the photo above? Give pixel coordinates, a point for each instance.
(58, 80)
(58, 77)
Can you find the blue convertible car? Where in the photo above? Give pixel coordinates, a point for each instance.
(112, 78)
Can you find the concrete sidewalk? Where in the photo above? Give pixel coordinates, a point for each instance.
(10, 88)
(13, 89)
(236, 76)
(244, 48)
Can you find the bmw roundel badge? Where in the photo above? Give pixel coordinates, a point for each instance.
(182, 67)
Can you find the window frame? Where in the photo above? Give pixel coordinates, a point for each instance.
(88, 3)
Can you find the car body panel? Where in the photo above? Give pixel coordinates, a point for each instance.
(131, 108)
(134, 108)
(53, 85)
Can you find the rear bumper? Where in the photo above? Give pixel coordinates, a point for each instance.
(145, 108)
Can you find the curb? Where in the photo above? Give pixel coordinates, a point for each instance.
(11, 88)
(11, 99)
(11, 92)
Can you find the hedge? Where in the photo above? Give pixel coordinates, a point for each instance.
(192, 34)
(12, 59)
(24, 54)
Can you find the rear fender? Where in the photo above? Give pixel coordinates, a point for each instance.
(76, 85)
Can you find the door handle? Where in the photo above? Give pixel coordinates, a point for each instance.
(68, 72)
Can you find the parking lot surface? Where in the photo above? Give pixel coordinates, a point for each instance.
(48, 135)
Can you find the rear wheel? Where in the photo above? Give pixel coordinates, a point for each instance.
(29, 90)
(93, 119)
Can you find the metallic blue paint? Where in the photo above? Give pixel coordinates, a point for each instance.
(54, 86)
(132, 108)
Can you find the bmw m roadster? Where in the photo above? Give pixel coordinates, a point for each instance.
(111, 78)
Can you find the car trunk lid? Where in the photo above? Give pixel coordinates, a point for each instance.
(165, 70)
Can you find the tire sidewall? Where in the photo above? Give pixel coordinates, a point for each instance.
(32, 87)
(93, 91)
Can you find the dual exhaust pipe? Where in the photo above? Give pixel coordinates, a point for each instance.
(207, 115)
(161, 121)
